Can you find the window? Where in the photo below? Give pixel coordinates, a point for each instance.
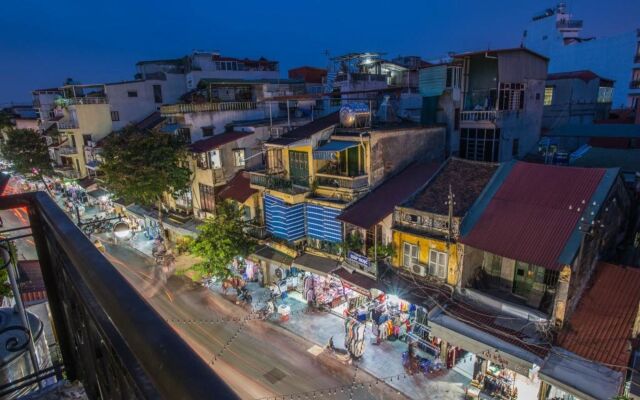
(115, 116)
(605, 94)
(214, 159)
(207, 201)
(132, 93)
(480, 144)
(246, 213)
(415, 219)
(511, 96)
(238, 157)
(438, 264)
(202, 161)
(456, 119)
(548, 95)
(515, 147)
(157, 93)
(184, 134)
(207, 131)
(409, 254)
(86, 139)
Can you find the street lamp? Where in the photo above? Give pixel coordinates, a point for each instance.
(121, 230)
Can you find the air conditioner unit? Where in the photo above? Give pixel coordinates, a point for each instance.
(419, 269)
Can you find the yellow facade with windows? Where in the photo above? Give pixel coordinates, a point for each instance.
(425, 255)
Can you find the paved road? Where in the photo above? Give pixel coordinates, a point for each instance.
(256, 358)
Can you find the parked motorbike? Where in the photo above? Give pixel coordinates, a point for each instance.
(244, 296)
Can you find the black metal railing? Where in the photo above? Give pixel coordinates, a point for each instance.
(110, 338)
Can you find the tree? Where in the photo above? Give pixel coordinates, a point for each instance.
(221, 238)
(141, 166)
(27, 150)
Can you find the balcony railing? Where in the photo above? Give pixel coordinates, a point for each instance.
(575, 24)
(278, 182)
(257, 231)
(67, 125)
(634, 84)
(110, 338)
(489, 115)
(174, 109)
(68, 150)
(75, 101)
(343, 182)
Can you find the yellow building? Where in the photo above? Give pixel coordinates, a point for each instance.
(86, 119)
(426, 227)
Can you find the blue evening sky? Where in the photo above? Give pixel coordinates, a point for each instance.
(44, 42)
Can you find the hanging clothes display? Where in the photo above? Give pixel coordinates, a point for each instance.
(354, 337)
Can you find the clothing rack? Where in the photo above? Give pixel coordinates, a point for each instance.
(423, 344)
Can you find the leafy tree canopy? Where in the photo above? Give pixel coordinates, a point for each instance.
(26, 149)
(141, 166)
(221, 238)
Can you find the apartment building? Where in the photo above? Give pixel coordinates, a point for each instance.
(557, 35)
(491, 101)
(576, 98)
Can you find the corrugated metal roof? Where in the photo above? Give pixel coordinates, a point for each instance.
(601, 327)
(216, 141)
(238, 188)
(585, 75)
(533, 213)
(307, 130)
(375, 206)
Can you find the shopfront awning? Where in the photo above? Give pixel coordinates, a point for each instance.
(141, 212)
(580, 377)
(316, 264)
(272, 256)
(329, 150)
(356, 281)
(483, 344)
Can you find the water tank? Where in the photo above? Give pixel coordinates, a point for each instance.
(354, 114)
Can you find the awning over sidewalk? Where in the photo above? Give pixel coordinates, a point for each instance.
(581, 377)
(141, 212)
(316, 264)
(483, 344)
(272, 256)
(357, 281)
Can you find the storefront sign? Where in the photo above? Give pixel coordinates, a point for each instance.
(358, 258)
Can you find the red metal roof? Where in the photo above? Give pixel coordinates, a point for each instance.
(585, 75)
(375, 206)
(601, 327)
(238, 188)
(534, 211)
(216, 141)
(308, 74)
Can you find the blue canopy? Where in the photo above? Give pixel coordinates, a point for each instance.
(329, 150)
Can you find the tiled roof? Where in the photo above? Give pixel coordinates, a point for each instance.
(238, 188)
(532, 213)
(216, 141)
(467, 180)
(601, 327)
(376, 205)
(307, 130)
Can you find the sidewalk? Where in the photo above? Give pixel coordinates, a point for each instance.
(380, 361)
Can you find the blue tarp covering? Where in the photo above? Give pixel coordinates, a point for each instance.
(283, 220)
(328, 151)
(322, 223)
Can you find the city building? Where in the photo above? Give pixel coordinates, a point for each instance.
(576, 98)
(426, 227)
(314, 78)
(491, 102)
(555, 34)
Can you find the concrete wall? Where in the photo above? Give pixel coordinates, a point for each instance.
(219, 120)
(392, 150)
(574, 102)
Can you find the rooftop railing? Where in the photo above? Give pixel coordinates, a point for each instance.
(110, 338)
(174, 109)
(74, 101)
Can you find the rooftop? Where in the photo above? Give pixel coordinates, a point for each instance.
(379, 203)
(585, 75)
(495, 52)
(307, 130)
(600, 157)
(530, 212)
(216, 141)
(466, 178)
(224, 81)
(596, 130)
(602, 325)
(238, 188)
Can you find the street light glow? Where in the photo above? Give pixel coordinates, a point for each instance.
(121, 230)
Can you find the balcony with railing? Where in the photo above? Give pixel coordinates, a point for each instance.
(342, 182)
(278, 182)
(569, 24)
(68, 150)
(89, 100)
(635, 84)
(67, 124)
(478, 116)
(107, 336)
(175, 109)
